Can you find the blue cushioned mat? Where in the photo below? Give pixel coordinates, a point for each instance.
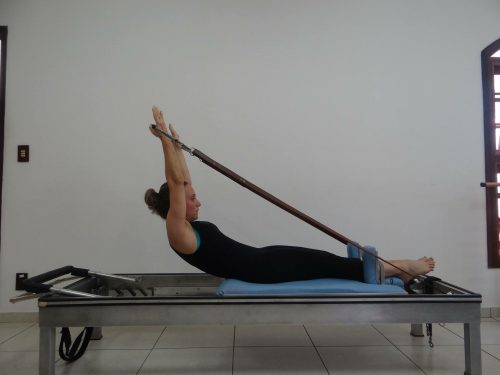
(393, 285)
(306, 287)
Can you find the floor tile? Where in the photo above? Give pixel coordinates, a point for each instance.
(490, 332)
(344, 349)
(9, 330)
(372, 360)
(19, 363)
(104, 362)
(189, 361)
(271, 335)
(272, 361)
(132, 337)
(399, 334)
(493, 350)
(26, 341)
(447, 360)
(196, 336)
(345, 335)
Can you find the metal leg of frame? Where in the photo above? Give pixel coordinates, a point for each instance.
(96, 333)
(47, 351)
(417, 330)
(472, 344)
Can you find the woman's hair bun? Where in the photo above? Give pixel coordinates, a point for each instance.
(151, 197)
(158, 203)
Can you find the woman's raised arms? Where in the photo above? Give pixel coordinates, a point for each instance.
(179, 231)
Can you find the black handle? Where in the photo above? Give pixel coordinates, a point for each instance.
(36, 284)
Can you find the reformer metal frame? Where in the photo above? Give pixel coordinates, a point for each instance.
(190, 299)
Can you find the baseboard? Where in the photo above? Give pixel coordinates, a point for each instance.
(485, 312)
(19, 317)
(490, 312)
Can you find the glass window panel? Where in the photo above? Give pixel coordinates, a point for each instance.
(496, 54)
(497, 113)
(496, 82)
(498, 188)
(498, 202)
(497, 139)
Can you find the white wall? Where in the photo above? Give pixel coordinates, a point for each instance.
(367, 115)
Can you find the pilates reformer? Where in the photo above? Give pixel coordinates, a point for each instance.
(99, 300)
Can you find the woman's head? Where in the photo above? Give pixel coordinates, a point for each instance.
(192, 203)
(159, 202)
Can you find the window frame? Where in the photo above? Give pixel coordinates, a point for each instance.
(489, 65)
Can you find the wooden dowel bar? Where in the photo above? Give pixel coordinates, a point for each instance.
(490, 184)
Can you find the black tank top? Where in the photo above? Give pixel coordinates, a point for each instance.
(220, 255)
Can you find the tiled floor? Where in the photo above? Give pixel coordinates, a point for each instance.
(291, 349)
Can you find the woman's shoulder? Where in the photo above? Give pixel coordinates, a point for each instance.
(202, 224)
(205, 228)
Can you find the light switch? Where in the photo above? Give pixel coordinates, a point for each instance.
(23, 153)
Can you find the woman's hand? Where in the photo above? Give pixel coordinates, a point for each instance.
(175, 135)
(160, 123)
(174, 157)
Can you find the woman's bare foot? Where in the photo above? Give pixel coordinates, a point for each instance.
(416, 267)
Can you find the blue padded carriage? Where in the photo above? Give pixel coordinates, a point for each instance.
(373, 277)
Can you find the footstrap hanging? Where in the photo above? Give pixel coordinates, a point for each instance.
(427, 286)
(428, 327)
(72, 351)
(429, 289)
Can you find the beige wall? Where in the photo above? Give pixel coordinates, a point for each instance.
(367, 115)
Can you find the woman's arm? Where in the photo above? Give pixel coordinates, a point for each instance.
(173, 167)
(179, 231)
(180, 155)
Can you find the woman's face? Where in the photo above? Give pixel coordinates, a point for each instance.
(192, 203)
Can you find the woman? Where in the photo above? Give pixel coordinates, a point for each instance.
(202, 245)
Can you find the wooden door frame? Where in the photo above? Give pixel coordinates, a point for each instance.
(3, 71)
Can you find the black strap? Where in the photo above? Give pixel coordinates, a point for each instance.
(429, 289)
(71, 352)
(429, 334)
